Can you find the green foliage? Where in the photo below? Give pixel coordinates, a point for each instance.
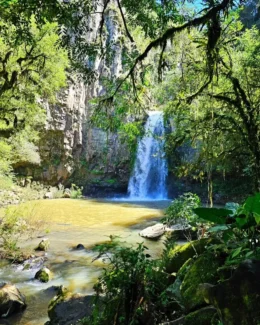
(130, 289)
(6, 176)
(30, 75)
(181, 210)
(75, 191)
(237, 228)
(209, 114)
(17, 225)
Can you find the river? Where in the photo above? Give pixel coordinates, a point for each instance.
(68, 223)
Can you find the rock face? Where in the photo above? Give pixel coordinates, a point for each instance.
(11, 300)
(238, 298)
(71, 149)
(153, 232)
(67, 308)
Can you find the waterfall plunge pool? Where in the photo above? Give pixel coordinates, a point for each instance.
(71, 222)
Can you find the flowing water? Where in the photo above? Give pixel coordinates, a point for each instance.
(148, 180)
(71, 222)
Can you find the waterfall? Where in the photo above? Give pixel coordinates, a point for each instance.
(148, 180)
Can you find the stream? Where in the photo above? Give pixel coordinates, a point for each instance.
(70, 222)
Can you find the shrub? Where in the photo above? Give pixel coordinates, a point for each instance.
(18, 224)
(130, 290)
(181, 210)
(76, 191)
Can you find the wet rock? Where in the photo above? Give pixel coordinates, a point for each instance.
(238, 298)
(43, 275)
(80, 247)
(67, 308)
(153, 232)
(11, 300)
(33, 263)
(179, 254)
(43, 245)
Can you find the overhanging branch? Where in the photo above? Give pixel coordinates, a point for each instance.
(170, 33)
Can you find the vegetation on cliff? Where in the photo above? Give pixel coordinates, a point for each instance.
(31, 73)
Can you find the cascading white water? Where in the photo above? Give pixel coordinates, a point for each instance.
(148, 180)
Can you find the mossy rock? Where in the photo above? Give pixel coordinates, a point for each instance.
(43, 245)
(177, 256)
(67, 308)
(203, 270)
(238, 298)
(43, 275)
(203, 316)
(174, 290)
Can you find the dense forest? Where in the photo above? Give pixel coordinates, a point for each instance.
(139, 101)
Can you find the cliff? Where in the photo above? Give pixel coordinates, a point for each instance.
(71, 148)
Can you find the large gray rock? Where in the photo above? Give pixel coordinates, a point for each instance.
(153, 232)
(11, 300)
(67, 308)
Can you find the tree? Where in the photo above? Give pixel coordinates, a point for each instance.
(159, 20)
(30, 75)
(221, 115)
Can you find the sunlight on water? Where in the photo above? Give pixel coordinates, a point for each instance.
(70, 222)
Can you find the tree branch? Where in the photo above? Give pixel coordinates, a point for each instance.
(124, 21)
(170, 33)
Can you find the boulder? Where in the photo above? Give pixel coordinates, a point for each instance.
(238, 298)
(43, 275)
(179, 254)
(43, 245)
(204, 269)
(174, 290)
(67, 308)
(153, 232)
(11, 300)
(203, 316)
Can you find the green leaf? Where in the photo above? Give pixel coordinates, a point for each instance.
(250, 253)
(217, 216)
(236, 252)
(218, 228)
(252, 204)
(241, 221)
